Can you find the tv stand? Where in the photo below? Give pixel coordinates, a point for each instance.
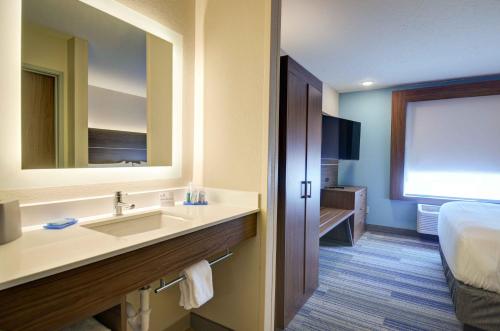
(346, 206)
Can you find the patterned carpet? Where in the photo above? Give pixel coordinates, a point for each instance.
(385, 282)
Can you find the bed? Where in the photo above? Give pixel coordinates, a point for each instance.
(469, 238)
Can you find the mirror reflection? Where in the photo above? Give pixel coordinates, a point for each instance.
(96, 91)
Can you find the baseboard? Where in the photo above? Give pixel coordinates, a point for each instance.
(200, 323)
(389, 229)
(400, 231)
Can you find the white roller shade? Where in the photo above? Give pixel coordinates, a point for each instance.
(453, 148)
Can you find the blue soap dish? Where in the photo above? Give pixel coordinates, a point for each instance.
(58, 225)
(188, 203)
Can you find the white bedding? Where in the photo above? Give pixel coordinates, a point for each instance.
(469, 235)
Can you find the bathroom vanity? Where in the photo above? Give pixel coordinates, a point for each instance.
(99, 104)
(51, 279)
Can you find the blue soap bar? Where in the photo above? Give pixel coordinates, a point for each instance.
(60, 224)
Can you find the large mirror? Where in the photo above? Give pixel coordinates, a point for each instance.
(96, 91)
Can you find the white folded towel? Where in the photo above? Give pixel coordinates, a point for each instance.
(197, 288)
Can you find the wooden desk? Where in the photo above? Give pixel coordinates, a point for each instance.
(331, 217)
(340, 201)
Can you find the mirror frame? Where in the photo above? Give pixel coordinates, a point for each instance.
(12, 177)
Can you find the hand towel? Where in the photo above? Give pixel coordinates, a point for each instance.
(197, 288)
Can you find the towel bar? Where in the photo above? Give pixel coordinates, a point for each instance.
(164, 286)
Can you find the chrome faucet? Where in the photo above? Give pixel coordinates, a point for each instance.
(118, 203)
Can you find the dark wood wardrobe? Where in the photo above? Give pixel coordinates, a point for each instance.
(297, 256)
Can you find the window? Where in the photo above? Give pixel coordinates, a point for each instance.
(445, 142)
(452, 148)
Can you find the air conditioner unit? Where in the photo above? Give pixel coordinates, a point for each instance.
(427, 219)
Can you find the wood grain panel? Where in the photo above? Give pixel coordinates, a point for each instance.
(298, 216)
(300, 71)
(113, 146)
(115, 318)
(38, 121)
(331, 217)
(295, 226)
(338, 198)
(116, 139)
(55, 301)
(400, 101)
(115, 155)
(313, 178)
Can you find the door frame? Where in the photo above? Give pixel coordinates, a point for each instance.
(58, 105)
(267, 311)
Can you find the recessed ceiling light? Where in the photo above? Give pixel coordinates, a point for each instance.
(367, 83)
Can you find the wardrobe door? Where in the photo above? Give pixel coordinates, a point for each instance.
(295, 195)
(298, 215)
(313, 189)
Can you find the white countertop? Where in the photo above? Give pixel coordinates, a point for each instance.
(40, 253)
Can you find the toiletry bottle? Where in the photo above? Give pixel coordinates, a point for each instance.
(201, 197)
(189, 194)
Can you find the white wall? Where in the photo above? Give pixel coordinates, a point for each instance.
(330, 101)
(112, 110)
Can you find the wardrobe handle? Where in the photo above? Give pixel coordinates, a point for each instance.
(309, 189)
(303, 189)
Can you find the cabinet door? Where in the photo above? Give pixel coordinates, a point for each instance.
(295, 195)
(38, 121)
(313, 188)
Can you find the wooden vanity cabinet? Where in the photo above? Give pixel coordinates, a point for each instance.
(99, 289)
(297, 259)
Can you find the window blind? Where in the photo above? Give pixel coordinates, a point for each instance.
(453, 148)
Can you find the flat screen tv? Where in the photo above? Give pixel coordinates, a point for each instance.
(340, 139)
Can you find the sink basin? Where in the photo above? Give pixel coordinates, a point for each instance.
(128, 225)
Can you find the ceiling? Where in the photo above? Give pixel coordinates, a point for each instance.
(392, 42)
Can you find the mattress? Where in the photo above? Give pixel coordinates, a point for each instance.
(469, 236)
(473, 306)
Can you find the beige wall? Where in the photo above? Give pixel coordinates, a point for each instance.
(47, 49)
(330, 101)
(236, 110)
(159, 100)
(77, 112)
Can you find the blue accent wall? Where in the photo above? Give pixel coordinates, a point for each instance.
(373, 110)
